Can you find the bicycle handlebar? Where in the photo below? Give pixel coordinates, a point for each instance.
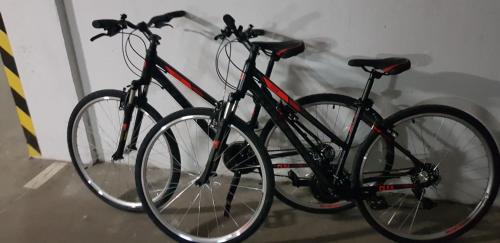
(242, 36)
(161, 20)
(112, 26)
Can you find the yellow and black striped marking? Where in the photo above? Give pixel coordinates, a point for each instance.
(16, 88)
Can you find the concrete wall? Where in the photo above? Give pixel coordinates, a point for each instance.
(452, 45)
(37, 42)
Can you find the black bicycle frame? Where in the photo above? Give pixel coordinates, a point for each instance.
(250, 81)
(156, 68)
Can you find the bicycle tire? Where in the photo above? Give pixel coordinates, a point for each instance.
(149, 204)
(457, 229)
(87, 180)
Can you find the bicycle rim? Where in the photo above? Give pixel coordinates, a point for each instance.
(458, 153)
(95, 135)
(199, 213)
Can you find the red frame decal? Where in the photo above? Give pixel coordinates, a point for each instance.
(216, 144)
(382, 188)
(286, 166)
(276, 90)
(376, 130)
(184, 80)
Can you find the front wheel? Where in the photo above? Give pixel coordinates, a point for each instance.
(443, 197)
(230, 206)
(92, 134)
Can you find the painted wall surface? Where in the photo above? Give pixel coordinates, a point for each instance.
(453, 46)
(37, 42)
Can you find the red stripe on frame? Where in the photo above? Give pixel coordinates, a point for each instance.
(216, 144)
(275, 89)
(179, 77)
(376, 130)
(287, 165)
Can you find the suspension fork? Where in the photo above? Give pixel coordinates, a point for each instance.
(129, 106)
(138, 119)
(223, 121)
(130, 100)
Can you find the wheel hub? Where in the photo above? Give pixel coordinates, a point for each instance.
(427, 176)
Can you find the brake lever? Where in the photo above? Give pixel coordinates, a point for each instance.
(219, 37)
(223, 34)
(98, 36)
(161, 25)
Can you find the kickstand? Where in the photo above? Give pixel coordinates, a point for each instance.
(230, 194)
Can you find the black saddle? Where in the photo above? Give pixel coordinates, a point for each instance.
(284, 49)
(390, 66)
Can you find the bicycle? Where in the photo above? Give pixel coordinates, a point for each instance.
(103, 151)
(402, 179)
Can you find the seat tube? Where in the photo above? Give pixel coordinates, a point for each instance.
(355, 123)
(253, 123)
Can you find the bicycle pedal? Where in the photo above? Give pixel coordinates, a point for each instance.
(296, 180)
(378, 203)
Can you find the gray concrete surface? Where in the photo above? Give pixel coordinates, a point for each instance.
(63, 210)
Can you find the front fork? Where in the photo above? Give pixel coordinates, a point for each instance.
(128, 105)
(222, 120)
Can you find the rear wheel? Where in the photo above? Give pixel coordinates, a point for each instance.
(230, 206)
(444, 198)
(335, 112)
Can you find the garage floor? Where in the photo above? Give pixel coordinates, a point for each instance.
(63, 210)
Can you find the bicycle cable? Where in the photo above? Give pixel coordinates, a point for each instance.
(226, 46)
(126, 57)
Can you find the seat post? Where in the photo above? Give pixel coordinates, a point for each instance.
(366, 92)
(270, 66)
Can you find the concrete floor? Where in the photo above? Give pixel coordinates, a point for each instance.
(64, 210)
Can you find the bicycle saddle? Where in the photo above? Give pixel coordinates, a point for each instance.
(390, 66)
(283, 49)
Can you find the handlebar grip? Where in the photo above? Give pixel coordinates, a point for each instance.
(229, 21)
(257, 32)
(165, 18)
(106, 24)
(177, 14)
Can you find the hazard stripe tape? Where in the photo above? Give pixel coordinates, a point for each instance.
(16, 88)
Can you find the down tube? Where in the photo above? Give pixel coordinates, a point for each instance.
(283, 96)
(183, 102)
(181, 78)
(269, 105)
